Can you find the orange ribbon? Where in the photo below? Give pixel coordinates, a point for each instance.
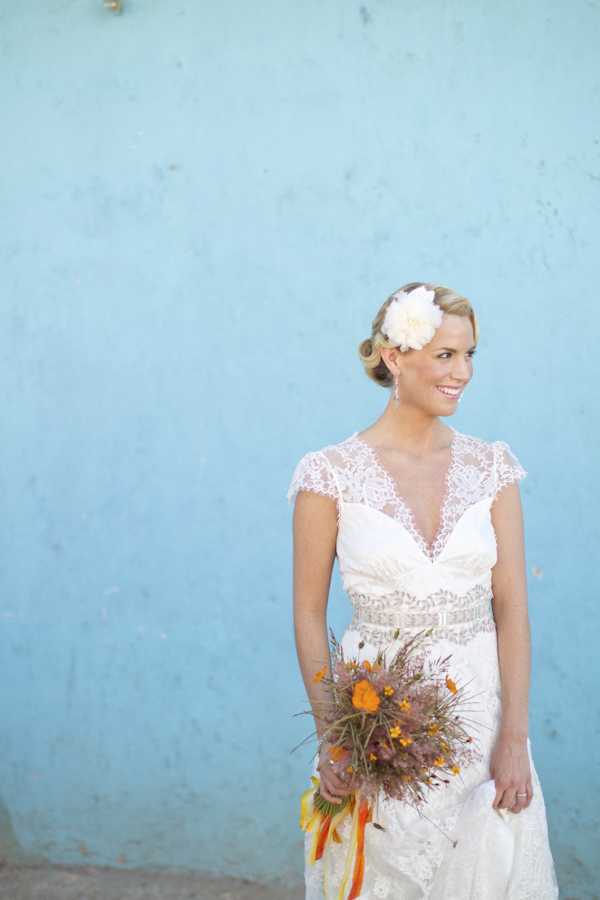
(323, 829)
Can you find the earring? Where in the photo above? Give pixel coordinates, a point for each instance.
(396, 393)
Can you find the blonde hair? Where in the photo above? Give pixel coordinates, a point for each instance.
(449, 302)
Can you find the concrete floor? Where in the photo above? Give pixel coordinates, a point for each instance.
(96, 883)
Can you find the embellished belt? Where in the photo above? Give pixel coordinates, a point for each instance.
(421, 620)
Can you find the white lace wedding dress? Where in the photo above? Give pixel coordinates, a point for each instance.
(395, 580)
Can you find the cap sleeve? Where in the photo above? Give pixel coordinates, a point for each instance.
(314, 473)
(507, 466)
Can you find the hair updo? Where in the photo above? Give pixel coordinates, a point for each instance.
(449, 302)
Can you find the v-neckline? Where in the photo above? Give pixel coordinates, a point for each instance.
(428, 549)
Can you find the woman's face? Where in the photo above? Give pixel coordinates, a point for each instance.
(433, 378)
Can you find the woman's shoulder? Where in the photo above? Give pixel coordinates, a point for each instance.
(495, 456)
(316, 471)
(479, 445)
(331, 453)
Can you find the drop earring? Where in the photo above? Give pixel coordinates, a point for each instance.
(396, 393)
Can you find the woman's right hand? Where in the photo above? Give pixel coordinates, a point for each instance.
(333, 786)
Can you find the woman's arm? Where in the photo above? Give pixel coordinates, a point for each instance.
(315, 533)
(509, 766)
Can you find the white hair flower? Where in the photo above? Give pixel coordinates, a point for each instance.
(411, 319)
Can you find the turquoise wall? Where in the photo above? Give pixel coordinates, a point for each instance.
(203, 206)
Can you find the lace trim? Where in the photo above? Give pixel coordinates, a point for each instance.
(454, 617)
(350, 472)
(508, 467)
(441, 601)
(457, 634)
(420, 620)
(383, 491)
(314, 473)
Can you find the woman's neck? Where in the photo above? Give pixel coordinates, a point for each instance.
(410, 429)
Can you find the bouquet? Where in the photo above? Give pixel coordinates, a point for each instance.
(393, 729)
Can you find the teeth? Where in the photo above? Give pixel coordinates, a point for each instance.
(452, 392)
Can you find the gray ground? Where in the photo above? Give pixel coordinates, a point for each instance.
(96, 883)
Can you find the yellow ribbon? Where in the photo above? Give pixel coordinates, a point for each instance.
(324, 829)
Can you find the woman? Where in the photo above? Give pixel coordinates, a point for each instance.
(427, 527)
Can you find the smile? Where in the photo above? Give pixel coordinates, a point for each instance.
(449, 391)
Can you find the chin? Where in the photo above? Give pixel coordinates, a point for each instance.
(447, 411)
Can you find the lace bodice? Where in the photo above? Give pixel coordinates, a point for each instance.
(387, 567)
(350, 472)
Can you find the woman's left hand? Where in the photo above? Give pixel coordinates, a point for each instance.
(509, 767)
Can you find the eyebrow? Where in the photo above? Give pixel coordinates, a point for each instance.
(454, 350)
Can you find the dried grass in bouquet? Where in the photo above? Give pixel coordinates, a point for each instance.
(394, 729)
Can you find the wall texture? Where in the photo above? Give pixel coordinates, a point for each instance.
(203, 206)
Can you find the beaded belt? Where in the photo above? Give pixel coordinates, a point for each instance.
(421, 620)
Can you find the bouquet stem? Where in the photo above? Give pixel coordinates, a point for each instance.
(321, 819)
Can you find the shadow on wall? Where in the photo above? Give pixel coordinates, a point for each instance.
(10, 849)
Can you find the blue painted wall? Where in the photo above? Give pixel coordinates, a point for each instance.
(203, 206)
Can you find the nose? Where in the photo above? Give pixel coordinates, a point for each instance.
(463, 368)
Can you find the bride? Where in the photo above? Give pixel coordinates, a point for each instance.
(427, 527)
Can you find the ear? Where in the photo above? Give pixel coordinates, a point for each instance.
(392, 357)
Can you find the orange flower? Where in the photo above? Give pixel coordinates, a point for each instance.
(388, 691)
(373, 758)
(319, 675)
(405, 741)
(371, 668)
(350, 769)
(433, 728)
(455, 770)
(406, 778)
(405, 705)
(336, 752)
(439, 761)
(365, 697)
(450, 685)
(395, 731)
